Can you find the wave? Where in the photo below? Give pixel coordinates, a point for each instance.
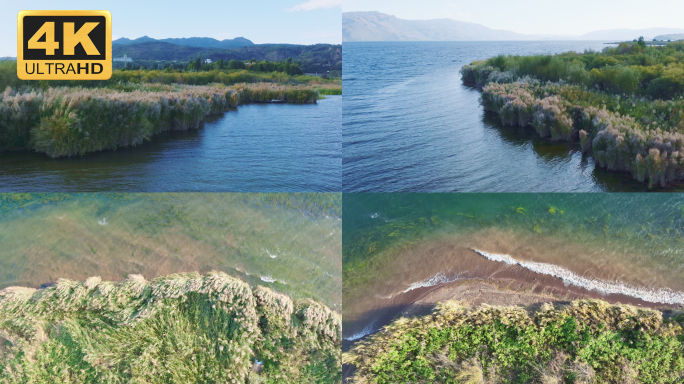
(439, 278)
(363, 333)
(666, 296)
(268, 279)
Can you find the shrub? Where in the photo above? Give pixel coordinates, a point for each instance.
(176, 329)
(584, 342)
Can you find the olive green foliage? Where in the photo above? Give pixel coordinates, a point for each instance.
(587, 341)
(182, 328)
(75, 121)
(226, 76)
(623, 105)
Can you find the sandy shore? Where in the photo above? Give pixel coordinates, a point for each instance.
(481, 282)
(530, 292)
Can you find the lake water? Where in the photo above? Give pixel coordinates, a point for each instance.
(395, 245)
(257, 148)
(410, 125)
(288, 242)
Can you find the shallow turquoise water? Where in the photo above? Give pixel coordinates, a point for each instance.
(290, 242)
(396, 243)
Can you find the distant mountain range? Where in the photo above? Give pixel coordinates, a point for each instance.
(203, 42)
(376, 26)
(673, 37)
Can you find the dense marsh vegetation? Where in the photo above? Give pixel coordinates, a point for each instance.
(62, 118)
(624, 105)
(587, 341)
(176, 329)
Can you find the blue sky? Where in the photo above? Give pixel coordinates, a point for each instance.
(536, 16)
(263, 21)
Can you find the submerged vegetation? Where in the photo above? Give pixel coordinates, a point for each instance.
(180, 328)
(625, 105)
(587, 341)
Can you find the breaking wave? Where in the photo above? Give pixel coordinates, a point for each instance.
(666, 296)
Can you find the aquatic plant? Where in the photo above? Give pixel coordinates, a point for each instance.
(584, 342)
(75, 121)
(625, 105)
(179, 328)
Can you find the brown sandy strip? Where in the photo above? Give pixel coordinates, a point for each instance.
(482, 281)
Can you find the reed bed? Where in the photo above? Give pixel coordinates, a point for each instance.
(587, 341)
(182, 328)
(623, 132)
(70, 121)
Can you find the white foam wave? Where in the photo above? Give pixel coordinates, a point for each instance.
(363, 333)
(666, 296)
(439, 278)
(268, 279)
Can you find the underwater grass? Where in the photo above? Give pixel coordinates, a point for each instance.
(625, 106)
(182, 328)
(64, 122)
(587, 341)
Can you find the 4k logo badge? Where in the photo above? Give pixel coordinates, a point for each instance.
(64, 45)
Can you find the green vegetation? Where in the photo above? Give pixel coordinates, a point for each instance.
(588, 341)
(624, 105)
(68, 118)
(76, 121)
(182, 328)
(311, 58)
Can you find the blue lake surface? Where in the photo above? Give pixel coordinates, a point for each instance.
(257, 148)
(409, 124)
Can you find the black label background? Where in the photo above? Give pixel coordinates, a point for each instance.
(98, 36)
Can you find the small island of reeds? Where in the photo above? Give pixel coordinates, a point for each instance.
(182, 328)
(624, 105)
(583, 341)
(63, 118)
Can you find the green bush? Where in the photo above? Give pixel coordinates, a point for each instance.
(182, 328)
(587, 341)
(76, 121)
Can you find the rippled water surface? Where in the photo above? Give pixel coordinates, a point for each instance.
(409, 124)
(256, 148)
(608, 243)
(289, 242)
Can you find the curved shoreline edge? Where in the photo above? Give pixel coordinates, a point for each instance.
(65, 122)
(158, 331)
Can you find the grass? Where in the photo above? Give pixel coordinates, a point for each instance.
(587, 341)
(182, 328)
(625, 105)
(64, 122)
(74, 118)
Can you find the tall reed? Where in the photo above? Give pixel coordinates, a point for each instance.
(75, 121)
(175, 329)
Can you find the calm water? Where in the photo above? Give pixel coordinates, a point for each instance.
(289, 242)
(409, 124)
(394, 244)
(258, 148)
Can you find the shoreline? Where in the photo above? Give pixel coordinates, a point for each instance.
(482, 282)
(126, 118)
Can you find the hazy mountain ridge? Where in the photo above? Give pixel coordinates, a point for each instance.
(672, 36)
(202, 42)
(377, 26)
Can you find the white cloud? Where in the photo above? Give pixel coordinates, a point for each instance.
(316, 4)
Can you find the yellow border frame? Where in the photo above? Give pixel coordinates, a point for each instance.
(106, 63)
